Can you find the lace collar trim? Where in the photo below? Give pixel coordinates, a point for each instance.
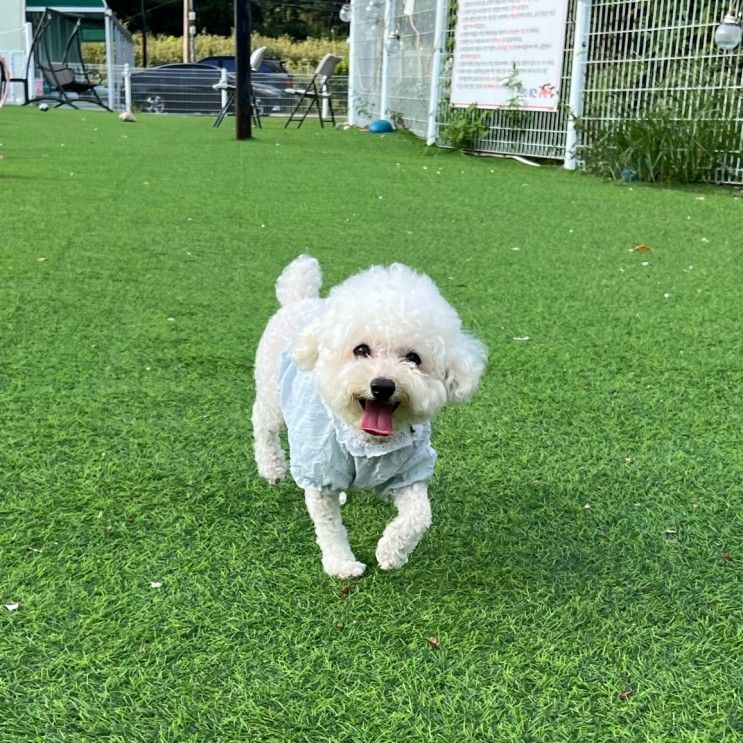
(360, 444)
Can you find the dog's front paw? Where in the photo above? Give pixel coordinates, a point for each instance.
(390, 558)
(340, 568)
(272, 470)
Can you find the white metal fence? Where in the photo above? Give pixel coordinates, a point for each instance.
(189, 89)
(392, 62)
(119, 52)
(627, 55)
(643, 53)
(539, 134)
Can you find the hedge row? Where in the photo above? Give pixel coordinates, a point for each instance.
(300, 56)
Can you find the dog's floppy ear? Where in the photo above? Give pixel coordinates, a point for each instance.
(464, 366)
(305, 346)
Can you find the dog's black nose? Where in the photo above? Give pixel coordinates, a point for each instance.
(382, 388)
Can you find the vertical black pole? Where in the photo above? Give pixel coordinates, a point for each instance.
(243, 107)
(144, 35)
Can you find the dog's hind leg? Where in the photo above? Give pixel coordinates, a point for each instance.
(267, 422)
(338, 560)
(267, 419)
(404, 531)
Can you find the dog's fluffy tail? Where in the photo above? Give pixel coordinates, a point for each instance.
(301, 279)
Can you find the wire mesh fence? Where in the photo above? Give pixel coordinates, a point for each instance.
(513, 131)
(120, 53)
(641, 56)
(189, 89)
(394, 42)
(658, 59)
(411, 46)
(365, 62)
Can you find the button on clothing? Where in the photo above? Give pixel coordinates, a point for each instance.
(327, 454)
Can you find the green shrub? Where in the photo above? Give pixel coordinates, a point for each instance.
(465, 127)
(300, 56)
(664, 145)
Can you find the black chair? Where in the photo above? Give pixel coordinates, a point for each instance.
(316, 91)
(62, 80)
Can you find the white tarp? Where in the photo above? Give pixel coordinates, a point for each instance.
(508, 54)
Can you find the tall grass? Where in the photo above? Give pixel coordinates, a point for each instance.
(666, 144)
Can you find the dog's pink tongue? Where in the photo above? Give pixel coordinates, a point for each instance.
(377, 418)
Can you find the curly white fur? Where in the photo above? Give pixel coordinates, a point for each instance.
(402, 318)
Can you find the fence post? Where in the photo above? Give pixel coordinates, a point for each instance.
(222, 87)
(355, 20)
(28, 49)
(577, 79)
(109, 57)
(439, 39)
(384, 88)
(127, 88)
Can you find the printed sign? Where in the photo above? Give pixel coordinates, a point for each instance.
(508, 54)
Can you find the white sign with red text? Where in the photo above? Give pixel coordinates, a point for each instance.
(508, 54)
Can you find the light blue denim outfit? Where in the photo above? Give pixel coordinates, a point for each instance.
(327, 454)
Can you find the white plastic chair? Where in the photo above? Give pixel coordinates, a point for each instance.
(316, 91)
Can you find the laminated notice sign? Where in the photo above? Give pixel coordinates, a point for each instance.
(508, 54)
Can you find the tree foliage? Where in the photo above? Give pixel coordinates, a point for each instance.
(299, 19)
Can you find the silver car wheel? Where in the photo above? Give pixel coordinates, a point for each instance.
(155, 104)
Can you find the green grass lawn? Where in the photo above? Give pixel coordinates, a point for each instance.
(581, 581)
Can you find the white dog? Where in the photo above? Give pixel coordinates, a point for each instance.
(357, 378)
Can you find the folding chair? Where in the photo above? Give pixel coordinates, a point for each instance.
(317, 90)
(229, 85)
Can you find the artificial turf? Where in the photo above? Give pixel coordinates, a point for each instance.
(581, 581)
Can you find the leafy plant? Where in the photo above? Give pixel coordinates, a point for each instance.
(513, 114)
(465, 127)
(398, 120)
(664, 145)
(362, 106)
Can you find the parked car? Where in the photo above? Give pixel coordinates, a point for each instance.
(188, 89)
(272, 71)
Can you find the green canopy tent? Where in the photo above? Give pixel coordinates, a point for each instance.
(98, 24)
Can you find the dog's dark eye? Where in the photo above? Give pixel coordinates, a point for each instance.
(413, 358)
(362, 351)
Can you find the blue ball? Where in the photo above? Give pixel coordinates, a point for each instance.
(380, 126)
